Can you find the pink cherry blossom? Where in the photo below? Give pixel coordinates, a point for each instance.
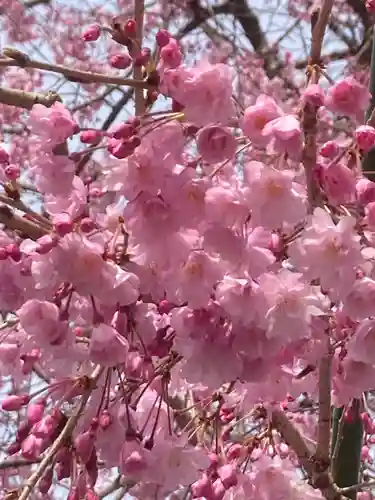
(107, 347)
(274, 198)
(54, 124)
(216, 144)
(348, 97)
(256, 118)
(329, 252)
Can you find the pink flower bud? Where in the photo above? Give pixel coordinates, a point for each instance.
(365, 191)
(202, 488)
(84, 444)
(120, 61)
(228, 476)
(46, 427)
(32, 447)
(283, 450)
(87, 225)
(120, 149)
(14, 252)
(130, 28)
(12, 172)
(46, 243)
(143, 58)
(95, 192)
(91, 136)
(219, 490)
(171, 55)
(234, 452)
(348, 97)
(14, 448)
(314, 95)
(63, 224)
(92, 33)
(339, 183)
(122, 131)
(330, 150)
(4, 155)
(35, 411)
(15, 402)
(365, 137)
(216, 144)
(165, 307)
(162, 38)
(105, 420)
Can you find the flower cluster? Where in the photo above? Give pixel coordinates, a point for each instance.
(180, 298)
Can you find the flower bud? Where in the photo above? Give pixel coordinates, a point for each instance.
(15, 402)
(92, 33)
(130, 28)
(162, 38)
(365, 137)
(91, 136)
(12, 172)
(63, 224)
(32, 447)
(35, 411)
(120, 61)
(84, 444)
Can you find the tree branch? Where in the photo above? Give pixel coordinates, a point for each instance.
(14, 57)
(26, 100)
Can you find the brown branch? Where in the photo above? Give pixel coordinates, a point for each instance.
(319, 30)
(318, 478)
(14, 57)
(309, 119)
(26, 100)
(33, 3)
(249, 22)
(20, 224)
(139, 8)
(294, 439)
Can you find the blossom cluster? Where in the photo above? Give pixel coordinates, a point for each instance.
(175, 297)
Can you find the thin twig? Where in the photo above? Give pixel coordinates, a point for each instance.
(14, 57)
(319, 30)
(26, 100)
(17, 462)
